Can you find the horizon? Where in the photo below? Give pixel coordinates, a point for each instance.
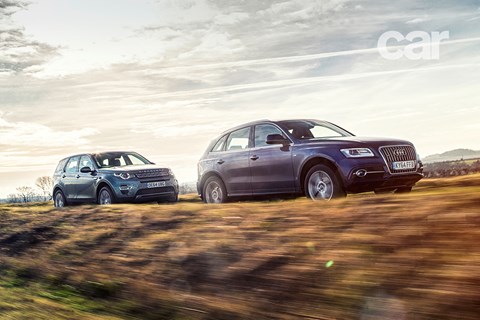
(163, 78)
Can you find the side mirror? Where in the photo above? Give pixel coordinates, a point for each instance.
(86, 170)
(276, 139)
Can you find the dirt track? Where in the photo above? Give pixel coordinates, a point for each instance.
(367, 257)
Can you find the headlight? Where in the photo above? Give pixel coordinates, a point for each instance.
(123, 175)
(170, 172)
(357, 152)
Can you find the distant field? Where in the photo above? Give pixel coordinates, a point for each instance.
(410, 256)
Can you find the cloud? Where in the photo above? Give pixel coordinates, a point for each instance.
(35, 135)
(231, 18)
(18, 161)
(17, 51)
(419, 20)
(9, 7)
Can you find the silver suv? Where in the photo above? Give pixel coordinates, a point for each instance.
(111, 177)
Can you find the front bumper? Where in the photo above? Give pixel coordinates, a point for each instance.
(377, 177)
(143, 191)
(378, 182)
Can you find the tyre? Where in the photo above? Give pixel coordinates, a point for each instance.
(172, 199)
(322, 183)
(404, 190)
(214, 191)
(105, 196)
(59, 200)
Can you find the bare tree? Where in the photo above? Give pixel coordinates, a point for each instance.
(13, 198)
(45, 184)
(186, 188)
(26, 194)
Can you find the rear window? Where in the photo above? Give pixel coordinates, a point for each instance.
(219, 145)
(61, 166)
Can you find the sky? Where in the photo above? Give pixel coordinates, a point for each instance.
(165, 77)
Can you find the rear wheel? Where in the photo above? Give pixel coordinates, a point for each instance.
(321, 183)
(214, 191)
(59, 200)
(105, 196)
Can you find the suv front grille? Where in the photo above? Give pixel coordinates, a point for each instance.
(145, 174)
(155, 190)
(393, 154)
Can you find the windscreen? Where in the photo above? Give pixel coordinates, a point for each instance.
(119, 159)
(306, 129)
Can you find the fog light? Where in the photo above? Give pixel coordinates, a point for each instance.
(361, 173)
(125, 189)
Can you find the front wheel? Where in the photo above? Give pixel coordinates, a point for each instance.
(214, 191)
(321, 183)
(172, 199)
(59, 200)
(105, 196)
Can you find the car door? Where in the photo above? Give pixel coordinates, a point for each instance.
(271, 166)
(233, 164)
(69, 177)
(85, 183)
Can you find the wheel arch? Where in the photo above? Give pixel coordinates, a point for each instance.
(313, 161)
(57, 188)
(208, 175)
(100, 186)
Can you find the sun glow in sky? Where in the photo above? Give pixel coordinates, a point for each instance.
(164, 77)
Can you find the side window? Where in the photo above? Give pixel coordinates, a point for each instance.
(85, 161)
(261, 133)
(219, 145)
(61, 166)
(238, 140)
(72, 166)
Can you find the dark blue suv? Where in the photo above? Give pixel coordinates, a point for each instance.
(111, 177)
(303, 157)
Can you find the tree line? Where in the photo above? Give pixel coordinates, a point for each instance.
(451, 168)
(25, 194)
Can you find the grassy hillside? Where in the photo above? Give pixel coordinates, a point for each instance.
(366, 257)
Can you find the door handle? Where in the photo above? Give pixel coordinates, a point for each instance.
(63, 176)
(78, 176)
(220, 161)
(254, 157)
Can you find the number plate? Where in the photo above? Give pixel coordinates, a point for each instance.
(156, 184)
(402, 165)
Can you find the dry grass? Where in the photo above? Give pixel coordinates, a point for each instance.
(366, 257)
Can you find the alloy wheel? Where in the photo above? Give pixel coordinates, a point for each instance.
(105, 197)
(320, 186)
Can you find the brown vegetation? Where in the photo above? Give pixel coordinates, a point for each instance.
(366, 257)
(451, 168)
